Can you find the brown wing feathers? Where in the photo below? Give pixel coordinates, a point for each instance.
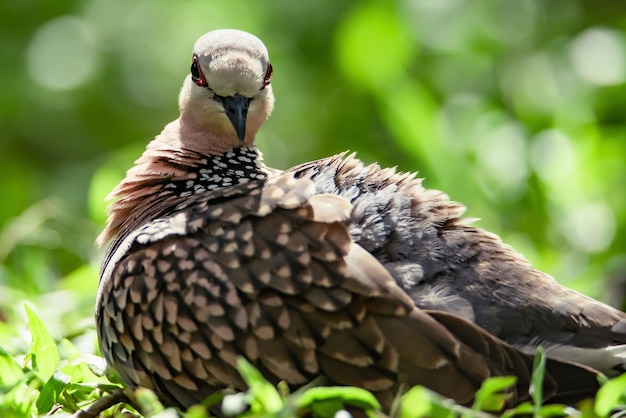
(264, 275)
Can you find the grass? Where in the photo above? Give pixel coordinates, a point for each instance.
(53, 378)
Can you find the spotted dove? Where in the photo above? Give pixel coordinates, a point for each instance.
(331, 268)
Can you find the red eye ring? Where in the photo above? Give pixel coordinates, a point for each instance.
(196, 73)
(268, 75)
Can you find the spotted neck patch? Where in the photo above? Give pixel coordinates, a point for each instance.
(238, 166)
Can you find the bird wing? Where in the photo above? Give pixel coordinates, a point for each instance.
(267, 270)
(446, 264)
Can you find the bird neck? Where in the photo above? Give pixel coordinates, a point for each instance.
(164, 176)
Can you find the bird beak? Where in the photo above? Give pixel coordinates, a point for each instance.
(236, 108)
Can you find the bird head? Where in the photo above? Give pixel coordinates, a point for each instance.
(228, 91)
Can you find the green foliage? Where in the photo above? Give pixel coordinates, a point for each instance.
(264, 400)
(611, 396)
(536, 408)
(43, 382)
(491, 395)
(43, 354)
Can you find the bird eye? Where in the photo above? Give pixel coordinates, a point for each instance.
(196, 73)
(268, 75)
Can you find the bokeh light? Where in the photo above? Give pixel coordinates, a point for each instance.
(599, 56)
(62, 54)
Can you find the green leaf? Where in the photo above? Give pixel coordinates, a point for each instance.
(213, 399)
(51, 391)
(43, 350)
(148, 402)
(337, 395)
(18, 402)
(264, 398)
(490, 397)
(197, 411)
(555, 410)
(81, 367)
(325, 408)
(536, 382)
(523, 409)
(10, 370)
(417, 402)
(610, 395)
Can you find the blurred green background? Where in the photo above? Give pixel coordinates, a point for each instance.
(515, 108)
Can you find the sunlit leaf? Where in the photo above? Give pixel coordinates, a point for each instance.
(43, 350)
(557, 410)
(611, 394)
(51, 391)
(148, 402)
(524, 409)
(536, 384)
(417, 402)
(339, 396)
(490, 397)
(264, 398)
(10, 370)
(19, 402)
(197, 411)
